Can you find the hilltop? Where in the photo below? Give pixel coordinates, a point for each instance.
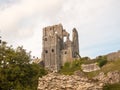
(101, 73)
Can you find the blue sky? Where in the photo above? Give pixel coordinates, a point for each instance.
(97, 21)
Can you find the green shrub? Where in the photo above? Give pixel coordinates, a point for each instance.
(18, 74)
(102, 63)
(101, 60)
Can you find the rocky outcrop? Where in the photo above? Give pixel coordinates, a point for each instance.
(54, 81)
(90, 67)
(111, 77)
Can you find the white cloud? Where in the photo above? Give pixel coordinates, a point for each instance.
(10, 17)
(96, 20)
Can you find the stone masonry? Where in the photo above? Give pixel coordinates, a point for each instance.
(56, 50)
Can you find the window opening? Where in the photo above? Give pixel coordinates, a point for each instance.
(45, 39)
(65, 52)
(52, 50)
(46, 51)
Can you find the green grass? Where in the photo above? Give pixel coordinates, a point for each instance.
(112, 87)
(70, 68)
(90, 75)
(110, 66)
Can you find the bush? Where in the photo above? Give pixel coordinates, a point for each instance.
(102, 63)
(102, 60)
(16, 73)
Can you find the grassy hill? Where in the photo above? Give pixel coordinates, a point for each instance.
(70, 68)
(110, 66)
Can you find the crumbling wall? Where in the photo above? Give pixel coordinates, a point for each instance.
(75, 43)
(56, 51)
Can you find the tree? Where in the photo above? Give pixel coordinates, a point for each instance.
(15, 70)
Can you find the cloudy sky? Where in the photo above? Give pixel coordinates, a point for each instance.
(97, 21)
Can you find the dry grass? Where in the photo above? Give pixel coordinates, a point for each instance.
(110, 66)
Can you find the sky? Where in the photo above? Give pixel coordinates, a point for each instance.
(97, 22)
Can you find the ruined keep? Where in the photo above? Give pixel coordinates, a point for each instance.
(56, 50)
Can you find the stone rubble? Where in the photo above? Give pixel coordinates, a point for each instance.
(55, 81)
(111, 77)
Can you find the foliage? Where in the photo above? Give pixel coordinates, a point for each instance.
(69, 68)
(102, 60)
(87, 60)
(112, 87)
(16, 73)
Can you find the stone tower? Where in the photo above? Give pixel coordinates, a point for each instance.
(56, 51)
(75, 43)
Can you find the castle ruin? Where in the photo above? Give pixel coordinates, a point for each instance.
(56, 50)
